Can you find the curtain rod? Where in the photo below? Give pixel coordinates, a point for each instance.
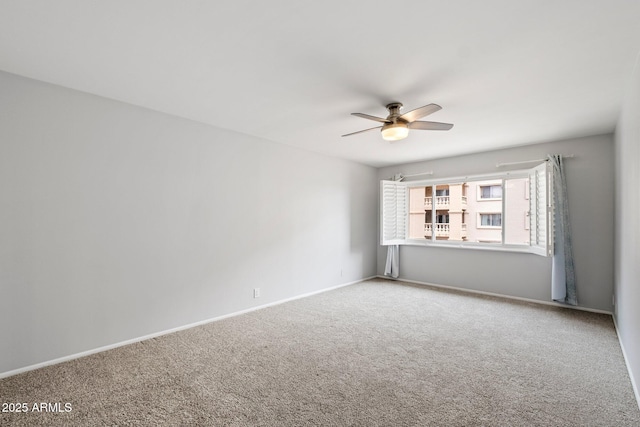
(568, 156)
(418, 174)
(400, 176)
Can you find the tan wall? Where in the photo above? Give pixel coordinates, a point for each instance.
(464, 209)
(475, 206)
(516, 211)
(456, 212)
(416, 212)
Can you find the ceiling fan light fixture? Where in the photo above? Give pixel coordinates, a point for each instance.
(396, 127)
(395, 131)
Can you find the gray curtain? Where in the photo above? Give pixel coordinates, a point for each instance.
(563, 276)
(392, 267)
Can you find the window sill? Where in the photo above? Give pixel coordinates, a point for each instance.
(497, 247)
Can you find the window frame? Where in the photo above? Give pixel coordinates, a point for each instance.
(490, 227)
(541, 242)
(489, 199)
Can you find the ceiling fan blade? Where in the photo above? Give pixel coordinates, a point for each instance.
(430, 125)
(360, 131)
(420, 112)
(366, 116)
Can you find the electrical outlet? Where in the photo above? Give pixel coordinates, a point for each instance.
(256, 292)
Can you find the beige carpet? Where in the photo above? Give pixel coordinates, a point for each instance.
(378, 353)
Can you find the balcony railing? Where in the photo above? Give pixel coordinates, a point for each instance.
(442, 202)
(443, 229)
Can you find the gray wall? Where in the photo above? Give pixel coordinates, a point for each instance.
(590, 177)
(627, 244)
(117, 222)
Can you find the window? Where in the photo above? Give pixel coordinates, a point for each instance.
(442, 219)
(439, 211)
(490, 191)
(490, 220)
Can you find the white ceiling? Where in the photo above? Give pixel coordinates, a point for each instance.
(505, 72)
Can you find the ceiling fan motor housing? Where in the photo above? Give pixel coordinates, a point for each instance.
(397, 129)
(394, 110)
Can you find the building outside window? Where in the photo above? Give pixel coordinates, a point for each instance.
(476, 219)
(511, 210)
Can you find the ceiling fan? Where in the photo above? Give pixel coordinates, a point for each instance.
(396, 126)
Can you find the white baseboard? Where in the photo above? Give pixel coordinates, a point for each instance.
(170, 331)
(634, 385)
(492, 294)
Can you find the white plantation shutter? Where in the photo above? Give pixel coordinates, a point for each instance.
(393, 215)
(541, 210)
